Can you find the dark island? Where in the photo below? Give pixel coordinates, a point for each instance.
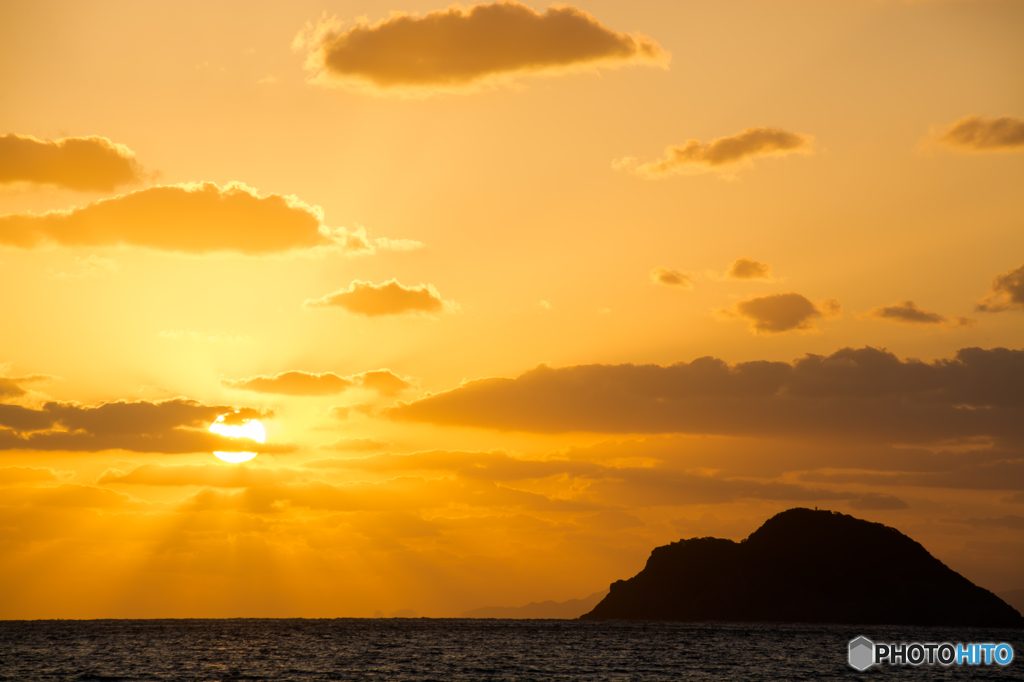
(804, 566)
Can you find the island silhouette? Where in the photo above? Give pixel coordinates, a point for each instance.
(804, 566)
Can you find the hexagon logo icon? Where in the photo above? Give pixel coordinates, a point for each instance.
(862, 653)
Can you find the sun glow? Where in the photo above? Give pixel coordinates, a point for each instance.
(251, 429)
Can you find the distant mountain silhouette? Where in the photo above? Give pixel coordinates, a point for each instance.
(570, 609)
(804, 566)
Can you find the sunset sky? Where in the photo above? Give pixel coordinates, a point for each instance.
(518, 293)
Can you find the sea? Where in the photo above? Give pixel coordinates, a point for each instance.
(450, 650)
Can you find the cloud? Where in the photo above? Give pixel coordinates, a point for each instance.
(985, 134)
(458, 48)
(748, 268)
(877, 502)
(174, 426)
(637, 487)
(295, 382)
(384, 381)
(866, 395)
(355, 444)
(19, 475)
(79, 163)
(906, 312)
(213, 475)
(90, 267)
(69, 495)
(672, 278)
(386, 298)
(292, 383)
(1006, 293)
(695, 156)
(192, 218)
(13, 387)
(779, 313)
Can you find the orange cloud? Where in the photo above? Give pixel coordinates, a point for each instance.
(292, 383)
(174, 426)
(350, 444)
(748, 268)
(78, 163)
(1006, 293)
(458, 48)
(862, 394)
(672, 278)
(194, 218)
(19, 475)
(387, 298)
(295, 382)
(638, 487)
(696, 156)
(779, 313)
(984, 134)
(213, 475)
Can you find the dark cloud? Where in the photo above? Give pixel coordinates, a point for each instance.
(384, 381)
(748, 268)
(1006, 293)
(170, 426)
(696, 156)
(13, 387)
(387, 298)
(195, 218)
(985, 134)
(906, 312)
(777, 313)
(78, 163)
(459, 47)
(864, 394)
(672, 278)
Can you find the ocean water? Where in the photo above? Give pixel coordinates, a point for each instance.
(450, 650)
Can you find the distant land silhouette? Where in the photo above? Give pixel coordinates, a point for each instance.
(571, 609)
(804, 566)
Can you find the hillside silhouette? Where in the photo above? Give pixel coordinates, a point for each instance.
(569, 609)
(804, 566)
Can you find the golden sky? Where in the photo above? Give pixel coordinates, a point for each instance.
(517, 292)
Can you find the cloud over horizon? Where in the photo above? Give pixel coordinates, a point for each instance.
(985, 134)
(1006, 293)
(192, 218)
(387, 298)
(695, 156)
(864, 394)
(778, 313)
(457, 48)
(85, 164)
(296, 382)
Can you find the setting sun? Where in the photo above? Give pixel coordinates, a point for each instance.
(502, 294)
(251, 429)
